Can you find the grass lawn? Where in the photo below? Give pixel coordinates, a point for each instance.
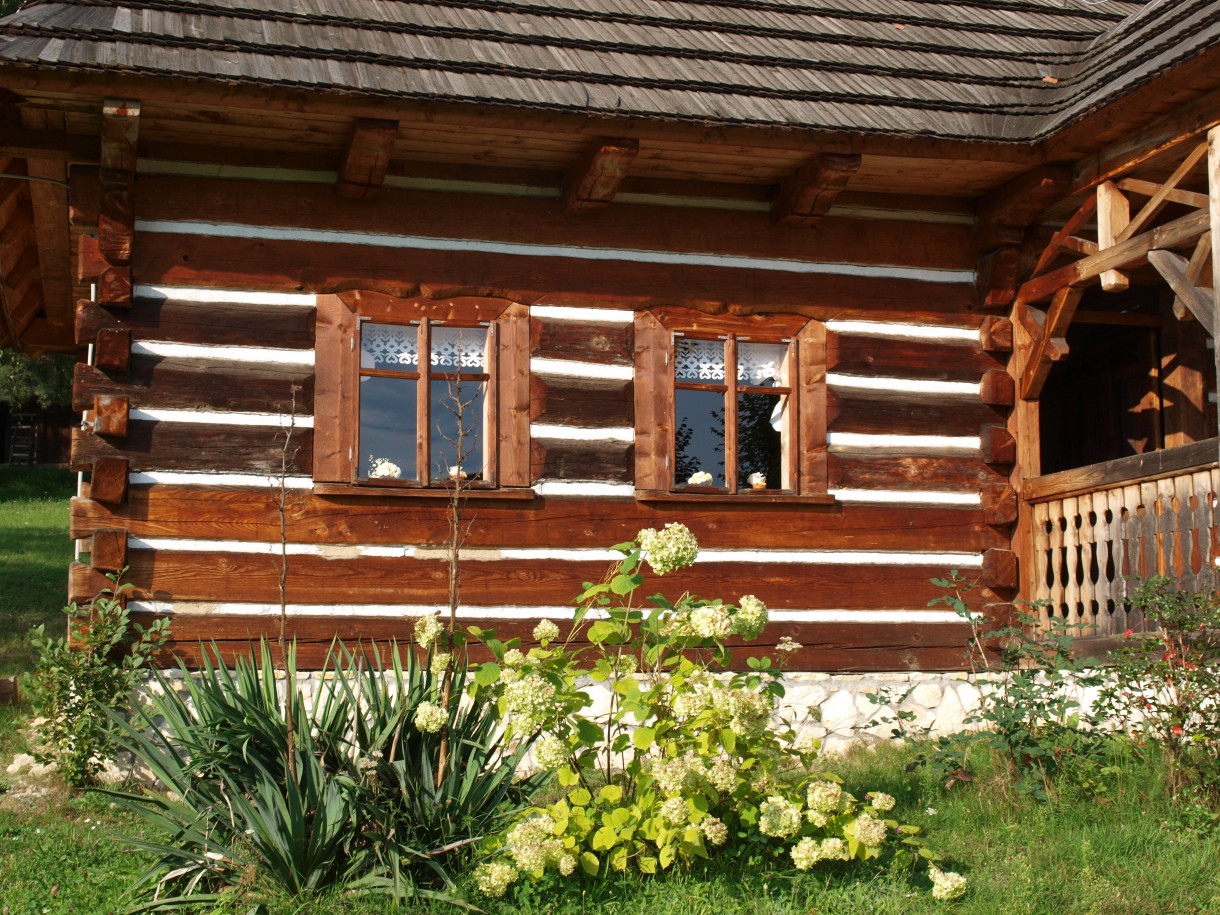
(34, 555)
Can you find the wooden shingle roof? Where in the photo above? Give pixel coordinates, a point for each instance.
(999, 70)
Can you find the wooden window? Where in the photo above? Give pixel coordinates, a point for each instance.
(410, 393)
(730, 407)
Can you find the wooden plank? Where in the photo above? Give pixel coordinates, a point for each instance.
(368, 155)
(182, 384)
(1000, 503)
(1000, 570)
(906, 358)
(1132, 469)
(218, 324)
(1060, 239)
(904, 413)
(998, 277)
(108, 550)
(334, 394)
(1213, 184)
(1197, 271)
(108, 481)
(813, 410)
(1020, 202)
(207, 513)
(602, 344)
(908, 472)
(593, 180)
(120, 135)
(599, 461)
(514, 404)
(114, 287)
(576, 402)
(1174, 269)
(807, 195)
(84, 195)
(116, 226)
(187, 446)
(1162, 195)
(653, 392)
(1051, 342)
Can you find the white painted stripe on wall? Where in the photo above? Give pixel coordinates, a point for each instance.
(236, 296)
(523, 249)
(581, 434)
(570, 368)
(907, 497)
(583, 315)
(865, 441)
(496, 188)
(203, 478)
(903, 385)
(915, 331)
(263, 355)
(221, 418)
(588, 489)
(411, 611)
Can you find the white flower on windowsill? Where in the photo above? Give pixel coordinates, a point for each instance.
(700, 478)
(757, 480)
(383, 469)
(457, 473)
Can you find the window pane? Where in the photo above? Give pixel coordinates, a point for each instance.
(759, 440)
(457, 428)
(699, 439)
(387, 428)
(761, 364)
(389, 346)
(698, 360)
(459, 348)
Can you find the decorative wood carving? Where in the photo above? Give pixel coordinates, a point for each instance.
(593, 180)
(808, 194)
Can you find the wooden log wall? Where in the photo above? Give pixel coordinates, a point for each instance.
(221, 370)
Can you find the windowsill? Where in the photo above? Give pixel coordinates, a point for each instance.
(765, 496)
(420, 492)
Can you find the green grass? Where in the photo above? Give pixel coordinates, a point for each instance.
(34, 555)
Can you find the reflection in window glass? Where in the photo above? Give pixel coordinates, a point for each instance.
(759, 441)
(389, 347)
(387, 428)
(699, 438)
(457, 423)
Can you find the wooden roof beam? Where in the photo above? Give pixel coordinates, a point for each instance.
(28, 143)
(1004, 214)
(367, 158)
(1050, 345)
(1176, 271)
(807, 194)
(1161, 195)
(594, 179)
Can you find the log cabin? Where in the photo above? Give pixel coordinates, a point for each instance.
(860, 292)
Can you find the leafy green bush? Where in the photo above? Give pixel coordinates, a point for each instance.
(350, 797)
(1165, 688)
(680, 761)
(79, 682)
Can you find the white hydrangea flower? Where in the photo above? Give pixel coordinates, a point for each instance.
(824, 796)
(778, 816)
(751, 617)
(946, 884)
(567, 864)
(494, 878)
(805, 854)
(882, 801)
(833, 850)
(533, 845)
(669, 549)
(723, 775)
(551, 752)
(714, 830)
(427, 630)
(546, 631)
(711, 622)
(530, 700)
(674, 811)
(869, 830)
(514, 658)
(440, 663)
(430, 718)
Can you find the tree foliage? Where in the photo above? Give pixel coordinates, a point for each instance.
(43, 380)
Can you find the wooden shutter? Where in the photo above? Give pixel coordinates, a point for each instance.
(811, 407)
(334, 391)
(654, 404)
(513, 374)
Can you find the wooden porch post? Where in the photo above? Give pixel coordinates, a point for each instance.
(1213, 190)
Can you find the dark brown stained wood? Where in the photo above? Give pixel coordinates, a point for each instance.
(182, 384)
(514, 393)
(49, 202)
(334, 399)
(108, 551)
(807, 195)
(995, 334)
(368, 156)
(576, 402)
(108, 481)
(543, 222)
(218, 324)
(1049, 345)
(905, 358)
(1033, 322)
(997, 277)
(812, 409)
(200, 512)
(1000, 504)
(120, 133)
(187, 446)
(998, 389)
(1175, 270)
(909, 472)
(1018, 203)
(110, 415)
(1000, 570)
(116, 225)
(1135, 468)
(241, 577)
(594, 179)
(84, 195)
(604, 344)
(114, 287)
(24, 143)
(654, 403)
(112, 349)
(997, 445)
(290, 265)
(89, 260)
(904, 413)
(603, 462)
(825, 646)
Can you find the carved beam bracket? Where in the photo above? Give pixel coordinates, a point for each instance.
(808, 194)
(368, 155)
(594, 179)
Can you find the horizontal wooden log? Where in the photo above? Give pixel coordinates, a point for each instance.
(112, 350)
(576, 402)
(602, 344)
(908, 472)
(216, 323)
(605, 461)
(905, 358)
(199, 512)
(824, 646)
(998, 445)
(187, 446)
(997, 277)
(1000, 570)
(1000, 503)
(998, 389)
(183, 384)
(904, 413)
(108, 550)
(240, 577)
(114, 287)
(108, 481)
(293, 265)
(995, 335)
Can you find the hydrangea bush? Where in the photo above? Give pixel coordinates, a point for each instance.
(680, 759)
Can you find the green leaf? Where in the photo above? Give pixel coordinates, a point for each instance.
(487, 674)
(667, 855)
(567, 778)
(589, 863)
(611, 794)
(580, 797)
(728, 740)
(588, 732)
(604, 839)
(647, 864)
(642, 737)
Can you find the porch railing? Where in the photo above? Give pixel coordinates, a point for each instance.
(1096, 530)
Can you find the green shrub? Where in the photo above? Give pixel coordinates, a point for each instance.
(81, 681)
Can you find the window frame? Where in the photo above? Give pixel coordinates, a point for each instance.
(340, 319)
(655, 404)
